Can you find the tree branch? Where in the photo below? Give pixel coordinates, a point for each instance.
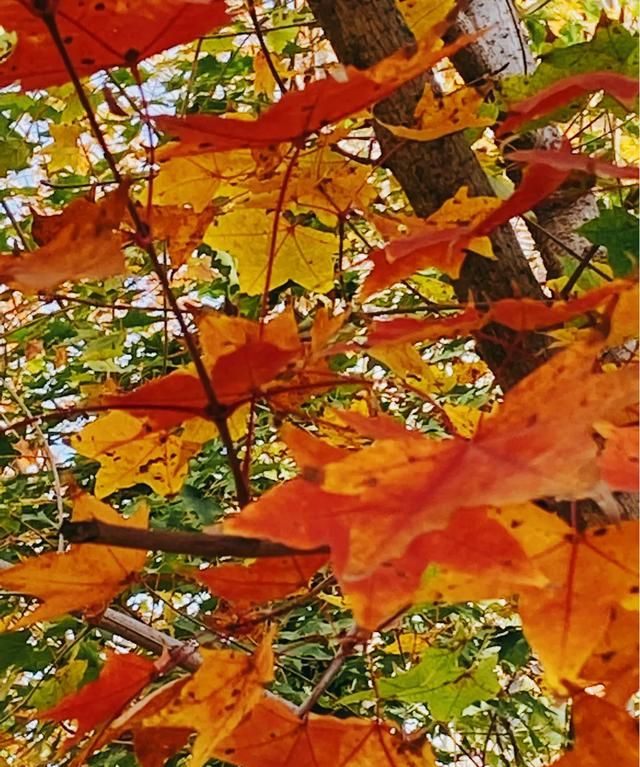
(217, 412)
(197, 544)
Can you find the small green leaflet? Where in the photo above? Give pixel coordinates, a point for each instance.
(440, 682)
(617, 230)
(445, 686)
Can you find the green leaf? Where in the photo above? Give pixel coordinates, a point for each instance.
(445, 686)
(15, 650)
(613, 48)
(53, 690)
(617, 230)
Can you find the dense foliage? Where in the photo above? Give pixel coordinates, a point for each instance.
(222, 317)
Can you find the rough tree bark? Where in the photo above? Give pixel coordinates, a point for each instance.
(504, 50)
(362, 32)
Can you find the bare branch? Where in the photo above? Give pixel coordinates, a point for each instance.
(198, 544)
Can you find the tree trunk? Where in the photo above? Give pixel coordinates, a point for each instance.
(503, 50)
(362, 32)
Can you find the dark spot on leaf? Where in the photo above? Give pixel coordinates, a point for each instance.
(131, 56)
(87, 62)
(515, 523)
(634, 590)
(607, 656)
(600, 531)
(67, 40)
(313, 474)
(569, 537)
(99, 6)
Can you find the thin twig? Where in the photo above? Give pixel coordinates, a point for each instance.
(264, 48)
(579, 270)
(216, 411)
(15, 224)
(346, 649)
(51, 459)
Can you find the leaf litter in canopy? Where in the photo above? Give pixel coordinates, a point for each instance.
(300, 113)
(130, 452)
(212, 703)
(622, 88)
(515, 313)
(300, 253)
(273, 736)
(445, 247)
(370, 505)
(98, 35)
(262, 581)
(603, 734)
(79, 243)
(589, 573)
(97, 703)
(84, 578)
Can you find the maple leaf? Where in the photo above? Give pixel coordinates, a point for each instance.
(370, 505)
(198, 180)
(440, 115)
(445, 246)
(472, 559)
(267, 259)
(81, 242)
(300, 113)
(273, 736)
(515, 313)
(589, 573)
(614, 661)
(98, 35)
(121, 678)
(86, 577)
(594, 721)
(620, 457)
(222, 692)
(623, 88)
(244, 358)
(564, 160)
(129, 451)
(181, 228)
(258, 582)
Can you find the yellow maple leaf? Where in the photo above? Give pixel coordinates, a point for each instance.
(424, 18)
(216, 699)
(301, 254)
(437, 116)
(65, 152)
(129, 452)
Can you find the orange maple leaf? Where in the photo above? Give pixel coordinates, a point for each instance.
(121, 678)
(97, 35)
(85, 578)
